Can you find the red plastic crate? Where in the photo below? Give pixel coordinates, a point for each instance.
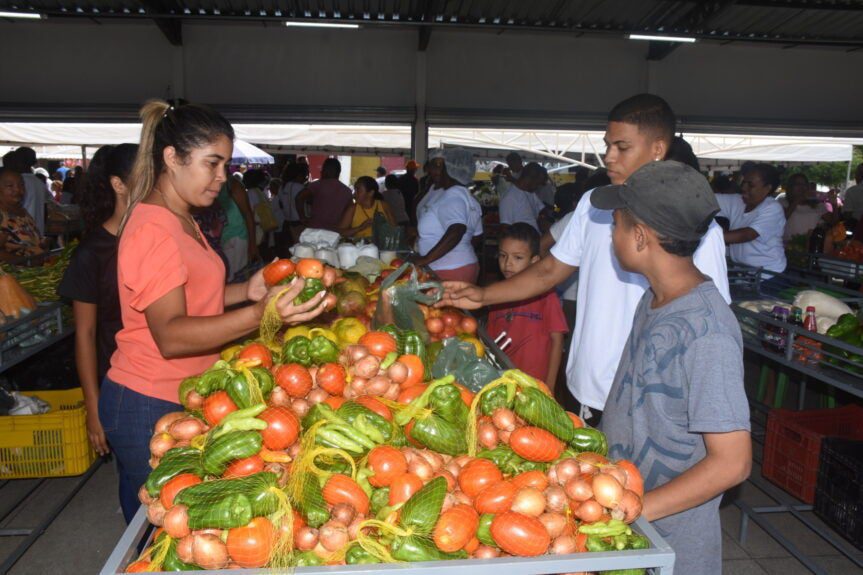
(792, 448)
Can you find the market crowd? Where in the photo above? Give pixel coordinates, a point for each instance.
(637, 250)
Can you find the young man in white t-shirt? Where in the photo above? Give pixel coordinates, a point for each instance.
(640, 130)
(521, 204)
(757, 220)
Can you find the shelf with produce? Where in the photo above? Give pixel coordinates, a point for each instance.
(748, 283)
(829, 266)
(31, 333)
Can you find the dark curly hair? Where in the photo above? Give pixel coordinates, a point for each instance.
(98, 199)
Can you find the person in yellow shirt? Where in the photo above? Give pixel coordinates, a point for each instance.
(357, 219)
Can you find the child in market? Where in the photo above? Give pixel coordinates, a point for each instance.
(677, 407)
(537, 325)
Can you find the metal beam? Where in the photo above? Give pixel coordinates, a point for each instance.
(696, 19)
(424, 38)
(171, 28)
(833, 6)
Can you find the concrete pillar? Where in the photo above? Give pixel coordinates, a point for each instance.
(419, 129)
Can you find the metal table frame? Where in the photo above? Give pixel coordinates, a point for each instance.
(660, 557)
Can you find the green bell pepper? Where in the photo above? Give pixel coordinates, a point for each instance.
(356, 555)
(493, 399)
(393, 331)
(312, 287)
(423, 509)
(296, 350)
(172, 562)
(213, 379)
(483, 530)
(187, 385)
(440, 435)
(413, 548)
(538, 409)
(311, 504)
(238, 390)
(589, 439)
(265, 380)
(637, 541)
(225, 449)
(846, 324)
(446, 402)
(233, 510)
(175, 461)
(598, 544)
(411, 343)
(380, 498)
(257, 488)
(322, 350)
(366, 421)
(307, 559)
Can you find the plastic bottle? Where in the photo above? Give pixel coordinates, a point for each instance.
(812, 355)
(774, 336)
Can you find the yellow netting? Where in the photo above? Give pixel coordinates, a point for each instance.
(474, 407)
(271, 320)
(372, 545)
(282, 519)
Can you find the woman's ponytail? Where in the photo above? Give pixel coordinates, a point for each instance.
(144, 172)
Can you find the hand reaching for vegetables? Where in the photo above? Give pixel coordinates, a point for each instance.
(97, 434)
(290, 312)
(462, 295)
(256, 287)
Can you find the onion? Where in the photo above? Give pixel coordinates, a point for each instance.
(144, 496)
(166, 420)
(463, 460)
(333, 535)
(358, 385)
(409, 453)
(630, 504)
(392, 392)
(487, 435)
(209, 552)
(589, 511)
(578, 489)
(279, 397)
(294, 450)
(176, 522)
(504, 419)
(321, 551)
(161, 443)
(421, 468)
(449, 501)
(563, 545)
(186, 428)
(377, 386)
(607, 490)
(450, 480)
(434, 459)
(317, 396)
(552, 475)
(462, 497)
(343, 513)
(615, 472)
(566, 470)
(184, 549)
(154, 462)
(398, 372)
(589, 462)
(183, 443)
(486, 552)
(156, 513)
(452, 468)
(306, 538)
(300, 406)
(529, 501)
(313, 371)
(354, 527)
(504, 436)
(276, 468)
(194, 400)
(349, 393)
(367, 367)
(353, 353)
(555, 498)
(554, 523)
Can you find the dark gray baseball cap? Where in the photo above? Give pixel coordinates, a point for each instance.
(672, 198)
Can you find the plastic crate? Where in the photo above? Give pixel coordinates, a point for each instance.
(53, 444)
(839, 493)
(792, 447)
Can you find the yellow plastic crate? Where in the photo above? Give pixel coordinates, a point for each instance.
(52, 444)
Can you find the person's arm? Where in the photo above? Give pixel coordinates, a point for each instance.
(241, 198)
(88, 371)
(554, 359)
(252, 290)
(388, 214)
(179, 335)
(740, 236)
(727, 463)
(448, 241)
(536, 280)
(545, 242)
(345, 227)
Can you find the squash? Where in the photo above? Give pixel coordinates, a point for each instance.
(14, 299)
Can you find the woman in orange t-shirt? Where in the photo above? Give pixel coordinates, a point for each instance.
(172, 284)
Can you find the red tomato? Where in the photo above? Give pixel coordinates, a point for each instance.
(283, 428)
(331, 378)
(140, 566)
(294, 379)
(576, 420)
(310, 268)
(250, 547)
(403, 487)
(387, 462)
(478, 474)
(519, 534)
(244, 467)
(451, 318)
(455, 528)
(535, 444)
(434, 325)
(257, 351)
(535, 479)
(496, 498)
(217, 406)
(408, 394)
(335, 401)
(175, 485)
(373, 404)
(379, 343)
(397, 263)
(634, 482)
(416, 370)
(466, 394)
(277, 271)
(468, 324)
(342, 489)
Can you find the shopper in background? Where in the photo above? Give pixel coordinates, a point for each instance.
(536, 325)
(449, 217)
(380, 177)
(238, 235)
(295, 177)
(172, 284)
(677, 408)
(358, 218)
(395, 200)
(90, 281)
(521, 204)
(19, 235)
(36, 193)
(853, 197)
(409, 187)
(640, 130)
(327, 198)
(257, 183)
(756, 219)
(802, 212)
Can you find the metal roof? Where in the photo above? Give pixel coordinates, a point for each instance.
(789, 22)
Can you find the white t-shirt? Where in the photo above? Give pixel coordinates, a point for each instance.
(518, 205)
(438, 210)
(608, 297)
(853, 201)
(768, 219)
(288, 199)
(546, 194)
(36, 195)
(803, 219)
(569, 288)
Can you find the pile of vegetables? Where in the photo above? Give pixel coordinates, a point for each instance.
(337, 447)
(42, 281)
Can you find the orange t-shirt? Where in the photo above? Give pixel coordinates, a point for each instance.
(156, 256)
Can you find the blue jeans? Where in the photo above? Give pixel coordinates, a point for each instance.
(128, 419)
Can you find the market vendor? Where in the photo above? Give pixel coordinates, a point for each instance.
(639, 131)
(757, 220)
(803, 212)
(359, 217)
(172, 284)
(521, 204)
(19, 236)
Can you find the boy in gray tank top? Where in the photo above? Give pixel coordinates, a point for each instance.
(677, 408)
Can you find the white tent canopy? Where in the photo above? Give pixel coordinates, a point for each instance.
(56, 141)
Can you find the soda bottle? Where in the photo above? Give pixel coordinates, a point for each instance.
(774, 336)
(810, 323)
(797, 320)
